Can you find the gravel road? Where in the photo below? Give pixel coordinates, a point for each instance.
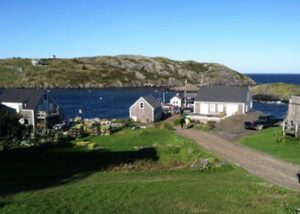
(271, 169)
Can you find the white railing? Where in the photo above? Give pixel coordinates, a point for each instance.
(45, 114)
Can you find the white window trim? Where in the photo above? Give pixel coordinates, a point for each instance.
(212, 108)
(142, 104)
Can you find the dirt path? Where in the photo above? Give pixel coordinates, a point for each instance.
(276, 171)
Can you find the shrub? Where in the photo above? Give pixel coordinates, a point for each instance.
(92, 145)
(163, 125)
(211, 125)
(81, 143)
(280, 139)
(167, 126)
(176, 122)
(205, 126)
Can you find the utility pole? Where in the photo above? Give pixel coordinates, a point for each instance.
(202, 80)
(185, 88)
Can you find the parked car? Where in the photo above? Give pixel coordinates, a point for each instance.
(263, 121)
(61, 126)
(188, 111)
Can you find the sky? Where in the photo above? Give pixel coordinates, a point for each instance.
(250, 36)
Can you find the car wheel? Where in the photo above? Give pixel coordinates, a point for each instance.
(260, 127)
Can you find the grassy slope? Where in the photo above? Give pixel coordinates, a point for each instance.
(281, 90)
(157, 192)
(270, 141)
(31, 184)
(95, 72)
(169, 147)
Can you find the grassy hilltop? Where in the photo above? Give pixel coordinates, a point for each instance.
(275, 91)
(115, 71)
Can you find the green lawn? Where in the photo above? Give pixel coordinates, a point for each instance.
(168, 146)
(129, 172)
(272, 142)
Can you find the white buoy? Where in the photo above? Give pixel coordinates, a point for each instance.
(100, 98)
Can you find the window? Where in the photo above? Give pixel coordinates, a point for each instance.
(212, 108)
(220, 108)
(141, 105)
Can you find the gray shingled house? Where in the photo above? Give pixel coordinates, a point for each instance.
(223, 100)
(292, 121)
(146, 109)
(36, 105)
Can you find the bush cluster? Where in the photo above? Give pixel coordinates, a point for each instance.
(86, 144)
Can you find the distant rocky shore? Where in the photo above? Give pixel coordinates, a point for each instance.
(274, 92)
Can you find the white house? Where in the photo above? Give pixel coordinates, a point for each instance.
(35, 62)
(223, 100)
(177, 100)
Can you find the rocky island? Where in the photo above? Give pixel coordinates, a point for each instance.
(115, 71)
(275, 91)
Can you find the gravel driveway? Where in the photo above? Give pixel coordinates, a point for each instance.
(276, 171)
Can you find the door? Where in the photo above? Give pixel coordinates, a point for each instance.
(232, 109)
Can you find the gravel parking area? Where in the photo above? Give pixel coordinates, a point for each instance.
(232, 128)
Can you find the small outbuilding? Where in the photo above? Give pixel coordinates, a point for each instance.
(146, 109)
(177, 100)
(223, 101)
(292, 122)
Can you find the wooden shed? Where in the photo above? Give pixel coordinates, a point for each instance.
(146, 109)
(292, 121)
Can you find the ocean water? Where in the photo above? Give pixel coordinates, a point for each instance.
(271, 78)
(278, 110)
(103, 103)
(115, 103)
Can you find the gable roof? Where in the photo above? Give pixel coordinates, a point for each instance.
(179, 96)
(191, 95)
(235, 94)
(152, 101)
(30, 97)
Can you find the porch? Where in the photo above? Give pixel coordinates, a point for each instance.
(44, 114)
(217, 117)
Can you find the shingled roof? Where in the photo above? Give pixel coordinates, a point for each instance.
(235, 94)
(180, 96)
(152, 101)
(30, 97)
